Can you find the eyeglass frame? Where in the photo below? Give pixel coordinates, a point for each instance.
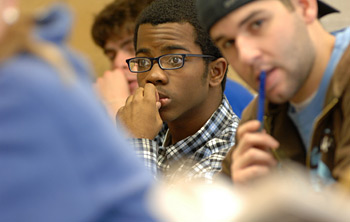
(159, 57)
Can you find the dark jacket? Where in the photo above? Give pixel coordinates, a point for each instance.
(333, 123)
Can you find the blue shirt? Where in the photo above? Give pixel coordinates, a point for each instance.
(61, 158)
(305, 118)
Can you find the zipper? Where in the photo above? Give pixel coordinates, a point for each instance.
(319, 118)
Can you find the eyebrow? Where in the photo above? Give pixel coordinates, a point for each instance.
(249, 17)
(105, 51)
(218, 39)
(145, 51)
(127, 41)
(164, 49)
(244, 21)
(124, 43)
(174, 47)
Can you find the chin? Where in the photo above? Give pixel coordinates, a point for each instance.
(278, 99)
(165, 116)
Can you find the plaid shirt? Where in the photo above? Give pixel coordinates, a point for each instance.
(197, 156)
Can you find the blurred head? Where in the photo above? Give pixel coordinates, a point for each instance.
(269, 35)
(113, 31)
(8, 15)
(171, 27)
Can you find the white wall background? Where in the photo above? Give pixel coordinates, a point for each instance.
(337, 20)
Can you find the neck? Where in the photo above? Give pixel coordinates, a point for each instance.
(323, 44)
(189, 123)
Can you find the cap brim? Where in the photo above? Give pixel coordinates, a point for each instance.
(325, 9)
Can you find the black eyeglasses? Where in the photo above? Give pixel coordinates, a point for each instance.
(165, 62)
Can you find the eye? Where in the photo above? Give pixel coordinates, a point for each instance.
(143, 63)
(110, 55)
(256, 25)
(228, 44)
(175, 60)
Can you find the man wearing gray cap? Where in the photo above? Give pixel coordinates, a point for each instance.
(307, 85)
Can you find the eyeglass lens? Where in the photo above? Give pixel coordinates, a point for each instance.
(165, 62)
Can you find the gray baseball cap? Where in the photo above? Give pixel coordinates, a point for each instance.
(211, 11)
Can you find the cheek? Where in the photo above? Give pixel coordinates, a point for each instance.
(230, 55)
(245, 72)
(283, 88)
(233, 60)
(190, 85)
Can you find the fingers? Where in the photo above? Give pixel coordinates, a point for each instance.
(253, 164)
(252, 156)
(150, 92)
(249, 174)
(248, 136)
(138, 95)
(140, 114)
(99, 84)
(259, 140)
(158, 105)
(250, 126)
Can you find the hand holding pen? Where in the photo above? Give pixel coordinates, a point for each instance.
(252, 156)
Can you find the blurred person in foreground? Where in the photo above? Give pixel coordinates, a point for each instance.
(307, 109)
(113, 31)
(179, 119)
(287, 196)
(61, 159)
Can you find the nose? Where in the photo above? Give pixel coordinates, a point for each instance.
(119, 60)
(248, 52)
(156, 76)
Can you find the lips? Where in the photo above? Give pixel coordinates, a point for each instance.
(163, 99)
(272, 78)
(267, 70)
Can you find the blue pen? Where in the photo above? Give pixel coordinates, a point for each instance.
(261, 100)
(261, 109)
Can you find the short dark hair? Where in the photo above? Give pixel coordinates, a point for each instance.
(117, 18)
(179, 11)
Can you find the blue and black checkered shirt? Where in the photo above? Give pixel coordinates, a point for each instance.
(196, 157)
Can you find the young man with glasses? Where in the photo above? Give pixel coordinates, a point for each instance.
(113, 31)
(180, 122)
(307, 85)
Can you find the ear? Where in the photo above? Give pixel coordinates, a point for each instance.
(217, 72)
(309, 10)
